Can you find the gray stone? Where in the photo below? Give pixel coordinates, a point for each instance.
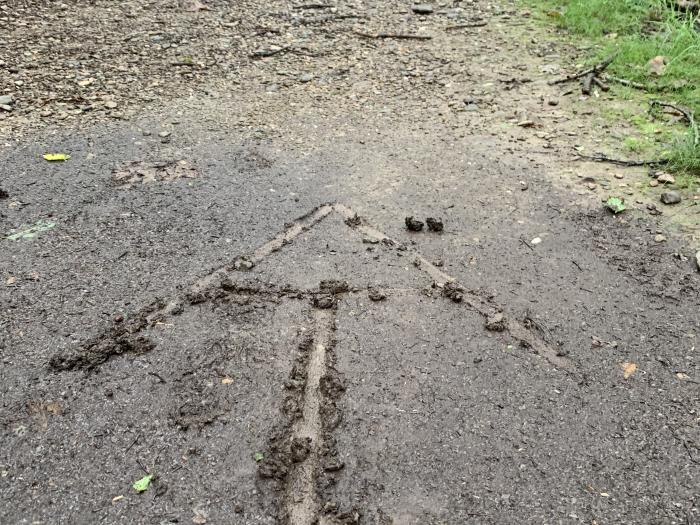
(306, 77)
(697, 260)
(670, 197)
(5, 100)
(422, 9)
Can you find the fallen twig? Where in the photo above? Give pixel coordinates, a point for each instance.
(400, 36)
(625, 82)
(587, 74)
(312, 6)
(622, 162)
(602, 85)
(268, 52)
(480, 23)
(327, 18)
(683, 111)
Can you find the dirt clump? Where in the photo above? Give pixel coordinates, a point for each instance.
(333, 286)
(435, 225)
(496, 322)
(375, 294)
(413, 225)
(453, 291)
(300, 448)
(146, 172)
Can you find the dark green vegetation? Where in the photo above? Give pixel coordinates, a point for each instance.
(640, 31)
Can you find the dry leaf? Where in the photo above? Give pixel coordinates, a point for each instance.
(657, 65)
(56, 157)
(628, 369)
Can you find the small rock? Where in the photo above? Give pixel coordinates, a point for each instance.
(496, 322)
(111, 104)
(376, 295)
(422, 9)
(666, 178)
(370, 240)
(324, 302)
(434, 225)
(653, 183)
(670, 197)
(591, 186)
(306, 77)
(524, 185)
(6, 107)
(619, 176)
(536, 241)
(697, 260)
(413, 225)
(164, 134)
(5, 99)
(659, 238)
(243, 264)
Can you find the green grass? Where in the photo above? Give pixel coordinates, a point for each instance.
(639, 30)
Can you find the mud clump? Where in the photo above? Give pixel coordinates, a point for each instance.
(300, 449)
(243, 264)
(413, 225)
(453, 291)
(139, 172)
(99, 350)
(496, 322)
(334, 287)
(376, 294)
(196, 414)
(324, 302)
(435, 225)
(353, 221)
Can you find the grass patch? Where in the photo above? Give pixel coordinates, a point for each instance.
(638, 31)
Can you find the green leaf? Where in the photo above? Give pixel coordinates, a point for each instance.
(616, 205)
(31, 231)
(142, 484)
(259, 456)
(53, 157)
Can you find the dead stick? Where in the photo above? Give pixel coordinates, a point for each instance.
(465, 26)
(625, 82)
(622, 162)
(683, 111)
(595, 70)
(399, 36)
(602, 85)
(312, 6)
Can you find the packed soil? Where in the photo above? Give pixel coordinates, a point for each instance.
(220, 288)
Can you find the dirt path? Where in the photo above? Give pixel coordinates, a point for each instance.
(224, 293)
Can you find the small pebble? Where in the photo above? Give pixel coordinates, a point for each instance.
(670, 197)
